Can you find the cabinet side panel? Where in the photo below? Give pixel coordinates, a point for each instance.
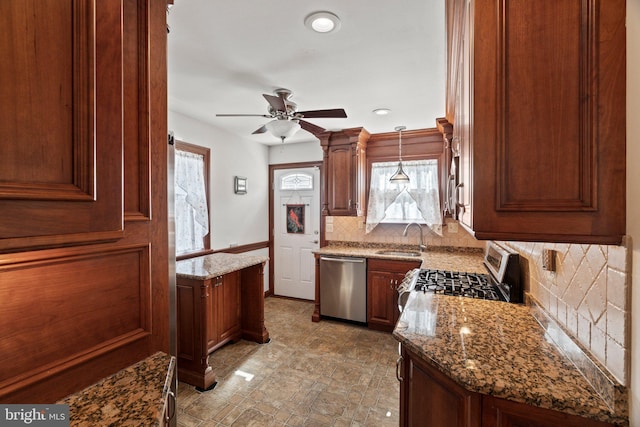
(59, 312)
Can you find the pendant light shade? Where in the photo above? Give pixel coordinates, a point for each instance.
(400, 177)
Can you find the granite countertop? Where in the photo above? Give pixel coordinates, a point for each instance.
(134, 396)
(500, 349)
(209, 266)
(436, 257)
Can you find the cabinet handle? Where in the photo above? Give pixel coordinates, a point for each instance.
(398, 363)
(350, 204)
(171, 408)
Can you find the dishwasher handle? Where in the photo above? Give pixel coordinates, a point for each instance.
(351, 260)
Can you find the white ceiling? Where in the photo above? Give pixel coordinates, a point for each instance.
(223, 55)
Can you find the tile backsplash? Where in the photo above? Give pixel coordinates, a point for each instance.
(351, 229)
(588, 294)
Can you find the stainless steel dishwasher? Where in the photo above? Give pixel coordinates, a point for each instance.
(343, 288)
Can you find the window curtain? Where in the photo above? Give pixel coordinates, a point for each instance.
(191, 211)
(422, 187)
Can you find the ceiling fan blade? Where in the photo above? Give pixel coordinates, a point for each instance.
(276, 102)
(310, 127)
(261, 129)
(244, 115)
(334, 113)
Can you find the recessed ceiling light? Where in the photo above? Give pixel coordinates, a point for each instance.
(322, 22)
(381, 111)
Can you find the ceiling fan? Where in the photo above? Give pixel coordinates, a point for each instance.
(287, 119)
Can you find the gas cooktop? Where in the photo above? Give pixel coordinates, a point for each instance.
(500, 283)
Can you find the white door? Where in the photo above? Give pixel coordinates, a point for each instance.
(296, 233)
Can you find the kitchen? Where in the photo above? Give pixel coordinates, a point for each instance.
(255, 161)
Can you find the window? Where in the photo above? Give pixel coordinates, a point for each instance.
(418, 201)
(191, 198)
(297, 181)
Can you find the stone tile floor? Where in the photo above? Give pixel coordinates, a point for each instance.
(310, 374)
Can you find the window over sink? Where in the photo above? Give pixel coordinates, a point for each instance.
(418, 201)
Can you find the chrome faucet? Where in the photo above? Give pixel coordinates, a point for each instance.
(422, 246)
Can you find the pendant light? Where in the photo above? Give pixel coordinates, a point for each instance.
(400, 177)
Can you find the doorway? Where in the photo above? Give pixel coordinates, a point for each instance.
(295, 226)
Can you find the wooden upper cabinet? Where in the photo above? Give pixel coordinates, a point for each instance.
(61, 162)
(345, 171)
(540, 118)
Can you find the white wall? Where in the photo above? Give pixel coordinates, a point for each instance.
(235, 219)
(633, 194)
(293, 153)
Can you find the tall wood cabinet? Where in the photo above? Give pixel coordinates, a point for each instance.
(536, 94)
(383, 279)
(345, 171)
(83, 193)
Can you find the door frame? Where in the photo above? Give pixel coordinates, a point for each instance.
(272, 169)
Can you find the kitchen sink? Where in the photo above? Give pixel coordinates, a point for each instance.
(399, 253)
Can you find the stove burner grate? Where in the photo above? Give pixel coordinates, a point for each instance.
(472, 285)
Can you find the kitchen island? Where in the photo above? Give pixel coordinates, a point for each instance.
(498, 361)
(220, 299)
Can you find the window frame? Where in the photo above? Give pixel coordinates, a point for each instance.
(206, 154)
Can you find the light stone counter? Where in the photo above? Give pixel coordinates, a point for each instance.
(134, 396)
(209, 266)
(499, 349)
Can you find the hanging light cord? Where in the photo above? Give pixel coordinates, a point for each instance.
(399, 129)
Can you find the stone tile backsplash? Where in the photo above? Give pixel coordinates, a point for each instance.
(351, 229)
(588, 294)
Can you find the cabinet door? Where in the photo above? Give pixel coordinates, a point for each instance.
(430, 399)
(229, 306)
(341, 180)
(62, 104)
(504, 413)
(383, 278)
(210, 315)
(548, 120)
(381, 300)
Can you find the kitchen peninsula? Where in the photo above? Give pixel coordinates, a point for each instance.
(493, 361)
(220, 299)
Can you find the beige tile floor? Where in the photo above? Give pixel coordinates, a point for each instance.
(310, 374)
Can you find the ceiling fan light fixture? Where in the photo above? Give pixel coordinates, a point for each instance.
(322, 22)
(283, 128)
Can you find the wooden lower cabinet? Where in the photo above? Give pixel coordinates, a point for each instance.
(383, 279)
(224, 307)
(212, 312)
(428, 398)
(505, 413)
